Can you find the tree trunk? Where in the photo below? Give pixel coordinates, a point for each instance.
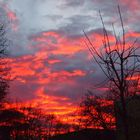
(124, 117)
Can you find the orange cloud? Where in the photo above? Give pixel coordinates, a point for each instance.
(136, 77)
(57, 43)
(65, 74)
(60, 106)
(21, 67)
(37, 70)
(133, 34)
(54, 61)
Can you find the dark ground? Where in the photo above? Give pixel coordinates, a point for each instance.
(87, 134)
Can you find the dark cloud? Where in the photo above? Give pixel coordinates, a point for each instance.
(76, 25)
(73, 3)
(22, 92)
(70, 63)
(109, 11)
(54, 18)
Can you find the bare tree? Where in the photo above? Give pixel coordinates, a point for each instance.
(96, 111)
(50, 122)
(121, 65)
(33, 122)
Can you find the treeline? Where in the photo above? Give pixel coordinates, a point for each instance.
(27, 123)
(96, 112)
(31, 123)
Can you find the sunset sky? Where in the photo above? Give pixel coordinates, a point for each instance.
(48, 57)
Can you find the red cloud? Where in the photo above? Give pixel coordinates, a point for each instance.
(31, 69)
(133, 34)
(132, 5)
(37, 70)
(54, 61)
(50, 104)
(57, 43)
(12, 17)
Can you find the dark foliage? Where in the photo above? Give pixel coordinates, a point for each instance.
(87, 134)
(96, 111)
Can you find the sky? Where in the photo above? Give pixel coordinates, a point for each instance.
(49, 60)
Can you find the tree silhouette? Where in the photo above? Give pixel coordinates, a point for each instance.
(62, 128)
(32, 122)
(4, 68)
(4, 78)
(121, 65)
(97, 112)
(10, 123)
